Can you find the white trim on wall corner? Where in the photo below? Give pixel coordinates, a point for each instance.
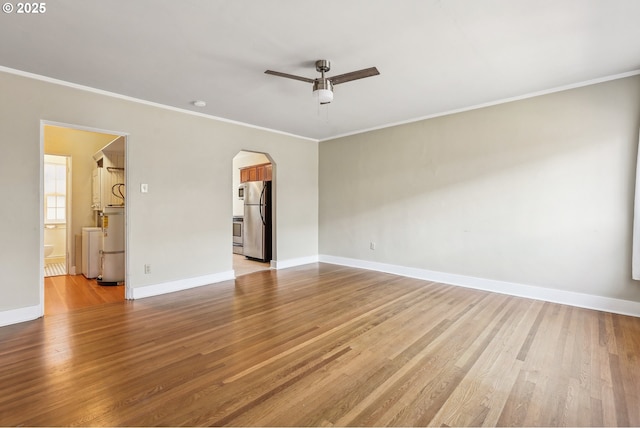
(284, 264)
(181, 284)
(15, 316)
(571, 298)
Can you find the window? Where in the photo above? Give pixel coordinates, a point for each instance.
(55, 190)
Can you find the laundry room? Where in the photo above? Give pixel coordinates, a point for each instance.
(83, 201)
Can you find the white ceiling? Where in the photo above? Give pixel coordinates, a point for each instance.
(434, 56)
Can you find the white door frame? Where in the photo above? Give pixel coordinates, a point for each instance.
(43, 123)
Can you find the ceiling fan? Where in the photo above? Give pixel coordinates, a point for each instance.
(323, 86)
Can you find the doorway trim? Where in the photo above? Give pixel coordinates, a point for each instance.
(43, 123)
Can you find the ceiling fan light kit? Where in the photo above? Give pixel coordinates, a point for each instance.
(323, 86)
(323, 90)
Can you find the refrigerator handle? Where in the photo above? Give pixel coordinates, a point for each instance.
(264, 186)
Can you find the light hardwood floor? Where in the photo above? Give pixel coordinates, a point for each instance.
(243, 266)
(323, 345)
(65, 293)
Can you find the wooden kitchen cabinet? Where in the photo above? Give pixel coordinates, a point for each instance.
(248, 174)
(244, 175)
(262, 172)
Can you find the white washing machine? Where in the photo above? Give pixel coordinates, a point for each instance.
(91, 247)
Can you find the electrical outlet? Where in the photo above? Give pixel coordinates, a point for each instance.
(147, 269)
(372, 245)
(144, 188)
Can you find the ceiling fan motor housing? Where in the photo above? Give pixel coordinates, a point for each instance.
(322, 84)
(323, 89)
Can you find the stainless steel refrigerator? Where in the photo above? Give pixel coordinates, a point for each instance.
(112, 222)
(257, 220)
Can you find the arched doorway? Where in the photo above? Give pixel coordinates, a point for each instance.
(253, 212)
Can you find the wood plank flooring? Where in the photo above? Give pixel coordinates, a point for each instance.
(323, 345)
(65, 293)
(243, 266)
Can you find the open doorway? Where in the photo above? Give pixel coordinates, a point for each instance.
(66, 219)
(253, 212)
(57, 194)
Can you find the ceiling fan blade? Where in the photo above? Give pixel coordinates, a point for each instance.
(289, 76)
(354, 75)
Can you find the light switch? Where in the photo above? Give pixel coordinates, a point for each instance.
(144, 188)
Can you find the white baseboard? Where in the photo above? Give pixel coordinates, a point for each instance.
(179, 285)
(571, 298)
(283, 264)
(619, 306)
(15, 316)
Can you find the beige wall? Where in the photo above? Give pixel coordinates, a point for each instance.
(535, 192)
(182, 226)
